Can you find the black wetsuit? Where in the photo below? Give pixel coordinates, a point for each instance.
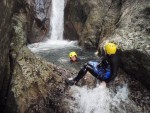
(106, 70)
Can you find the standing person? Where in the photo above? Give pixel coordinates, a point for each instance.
(105, 71)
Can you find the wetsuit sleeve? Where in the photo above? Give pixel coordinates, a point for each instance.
(100, 61)
(114, 68)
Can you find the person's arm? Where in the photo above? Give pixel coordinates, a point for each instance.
(102, 58)
(114, 68)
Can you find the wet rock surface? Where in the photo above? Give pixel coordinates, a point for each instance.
(138, 94)
(96, 19)
(132, 37)
(38, 22)
(6, 8)
(75, 18)
(36, 87)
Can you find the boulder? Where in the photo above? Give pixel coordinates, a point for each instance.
(38, 20)
(138, 94)
(91, 20)
(74, 19)
(7, 7)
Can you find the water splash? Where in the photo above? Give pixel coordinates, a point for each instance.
(57, 20)
(98, 100)
(51, 45)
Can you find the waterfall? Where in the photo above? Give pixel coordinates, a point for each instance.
(99, 100)
(56, 27)
(57, 20)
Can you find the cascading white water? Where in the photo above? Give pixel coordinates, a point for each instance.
(57, 20)
(98, 100)
(56, 27)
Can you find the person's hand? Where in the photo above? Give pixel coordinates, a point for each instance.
(103, 84)
(96, 53)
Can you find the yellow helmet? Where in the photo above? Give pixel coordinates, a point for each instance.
(72, 54)
(110, 48)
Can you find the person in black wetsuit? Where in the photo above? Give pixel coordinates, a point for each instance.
(106, 70)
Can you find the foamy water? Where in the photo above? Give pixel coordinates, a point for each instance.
(57, 20)
(98, 100)
(52, 44)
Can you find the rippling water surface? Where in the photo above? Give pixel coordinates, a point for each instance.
(57, 52)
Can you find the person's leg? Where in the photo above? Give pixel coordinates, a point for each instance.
(91, 70)
(81, 73)
(106, 74)
(94, 69)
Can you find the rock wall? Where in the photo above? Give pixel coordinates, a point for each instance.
(133, 37)
(36, 85)
(75, 18)
(28, 84)
(5, 39)
(38, 13)
(94, 19)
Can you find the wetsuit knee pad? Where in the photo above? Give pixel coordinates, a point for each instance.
(93, 63)
(107, 75)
